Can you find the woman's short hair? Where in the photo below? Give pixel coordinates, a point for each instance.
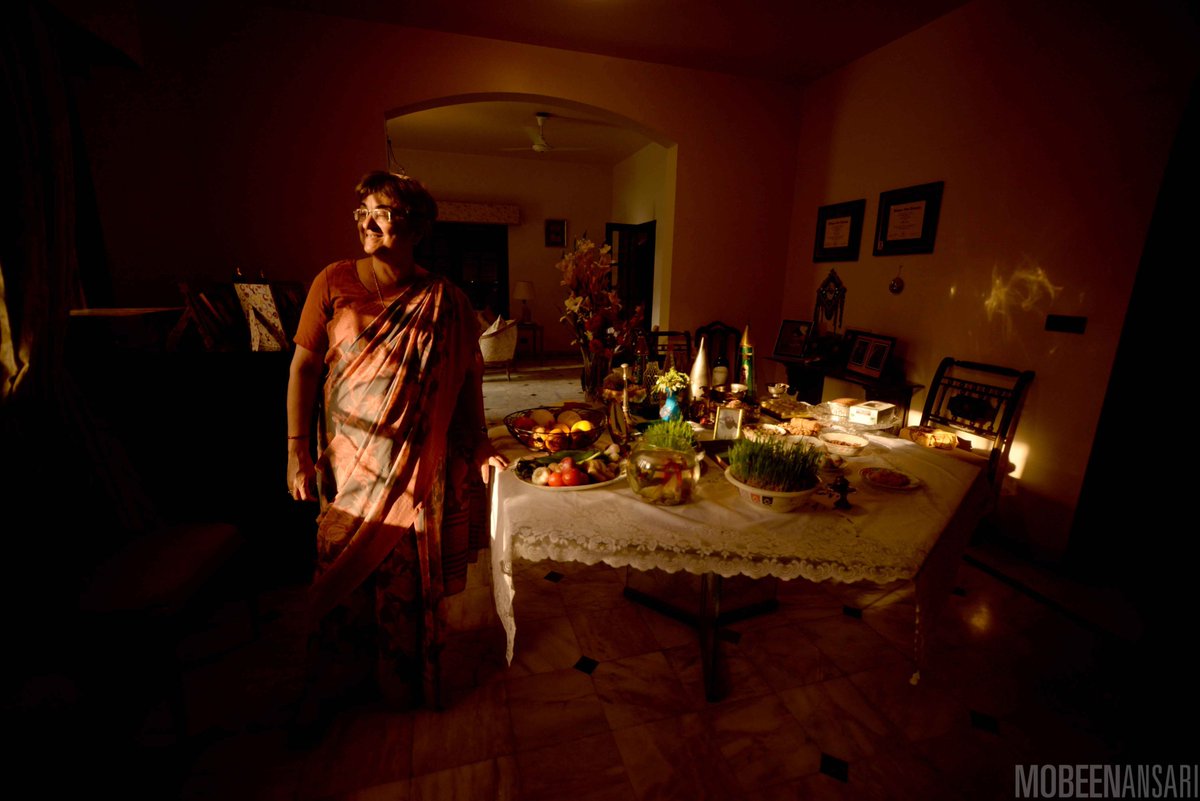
(403, 193)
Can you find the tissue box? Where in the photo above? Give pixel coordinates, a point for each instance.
(872, 413)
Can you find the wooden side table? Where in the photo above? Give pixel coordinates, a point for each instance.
(530, 342)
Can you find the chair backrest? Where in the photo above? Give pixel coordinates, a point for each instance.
(983, 399)
(676, 343)
(720, 343)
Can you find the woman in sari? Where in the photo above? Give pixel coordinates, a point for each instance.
(401, 440)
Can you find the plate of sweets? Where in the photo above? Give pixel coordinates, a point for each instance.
(889, 479)
(572, 470)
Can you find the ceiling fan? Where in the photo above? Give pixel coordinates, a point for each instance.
(540, 145)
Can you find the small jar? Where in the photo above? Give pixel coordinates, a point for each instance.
(662, 475)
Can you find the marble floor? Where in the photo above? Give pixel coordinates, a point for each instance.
(604, 698)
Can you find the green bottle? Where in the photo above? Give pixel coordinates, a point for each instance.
(747, 365)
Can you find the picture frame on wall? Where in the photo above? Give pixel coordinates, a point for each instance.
(792, 342)
(839, 231)
(556, 233)
(868, 353)
(908, 219)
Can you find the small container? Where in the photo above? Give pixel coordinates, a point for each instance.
(871, 413)
(841, 406)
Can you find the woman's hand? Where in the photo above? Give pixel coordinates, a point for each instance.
(487, 457)
(301, 474)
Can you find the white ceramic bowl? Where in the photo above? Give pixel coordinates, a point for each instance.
(782, 502)
(843, 444)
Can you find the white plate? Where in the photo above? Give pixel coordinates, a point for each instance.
(620, 477)
(868, 473)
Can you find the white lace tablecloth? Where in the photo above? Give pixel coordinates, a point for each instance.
(885, 536)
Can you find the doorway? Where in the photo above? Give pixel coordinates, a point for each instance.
(633, 263)
(472, 255)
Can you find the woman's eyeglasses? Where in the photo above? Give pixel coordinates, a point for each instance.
(381, 214)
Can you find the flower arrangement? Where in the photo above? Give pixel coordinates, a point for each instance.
(593, 308)
(669, 382)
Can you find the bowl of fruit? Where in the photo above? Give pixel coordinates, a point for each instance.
(556, 428)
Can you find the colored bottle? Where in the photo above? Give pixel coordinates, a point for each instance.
(747, 365)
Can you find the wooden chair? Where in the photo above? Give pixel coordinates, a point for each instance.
(677, 344)
(720, 343)
(982, 399)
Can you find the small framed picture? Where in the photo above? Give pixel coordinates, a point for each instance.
(839, 231)
(556, 233)
(907, 220)
(792, 341)
(869, 353)
(728, 423)
(262, 316)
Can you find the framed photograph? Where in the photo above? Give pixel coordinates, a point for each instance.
(793, 338)
(728, 423)
(262, 316)
(556, 233)
(869, 353)
(839, 231)
(908, 219)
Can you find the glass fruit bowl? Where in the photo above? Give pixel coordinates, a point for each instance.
(556, 428)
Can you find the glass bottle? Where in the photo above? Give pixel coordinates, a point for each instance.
(747, 366)
(641, 354)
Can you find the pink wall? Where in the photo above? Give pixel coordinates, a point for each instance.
(1050, 125)
(254, 130)
(239, 142)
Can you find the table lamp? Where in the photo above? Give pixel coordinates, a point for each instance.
(523, 291)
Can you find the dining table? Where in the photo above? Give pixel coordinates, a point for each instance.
(886, 535)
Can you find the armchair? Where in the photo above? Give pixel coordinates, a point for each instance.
(499, 345)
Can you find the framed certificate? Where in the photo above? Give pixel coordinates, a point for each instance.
(839, 231)
(908, 220)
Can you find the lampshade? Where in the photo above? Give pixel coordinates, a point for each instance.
(523, 290)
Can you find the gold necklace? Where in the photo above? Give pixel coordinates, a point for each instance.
(375, 278)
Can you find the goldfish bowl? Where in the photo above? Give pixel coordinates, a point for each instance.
(663, 476)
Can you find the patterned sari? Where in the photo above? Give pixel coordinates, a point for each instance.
(396, 484)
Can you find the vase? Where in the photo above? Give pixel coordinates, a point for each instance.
(662, 475)
(596, 367)
(671, 408)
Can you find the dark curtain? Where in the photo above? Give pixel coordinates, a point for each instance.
(67, 490)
